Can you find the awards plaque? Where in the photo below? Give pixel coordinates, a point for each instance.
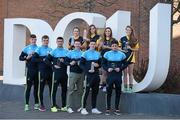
(92, 67)
(58, 65)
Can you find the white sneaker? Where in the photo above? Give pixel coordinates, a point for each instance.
(79, 110)
(84, 111)
(69, 110)
(96, 111)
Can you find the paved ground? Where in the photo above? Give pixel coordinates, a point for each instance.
(11, 106)
(14, 110)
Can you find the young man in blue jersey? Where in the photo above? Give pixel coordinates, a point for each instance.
(32, 72)
(90, 63)
(56, 60)
(45, 71)
(76, 76)
(113, 64)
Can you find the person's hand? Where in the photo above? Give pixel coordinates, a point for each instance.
(29, 57)
(120, 49)
(61, 60)
(73, 63)
(110, 69)
(56, 66)
(91, 71)
(85, 34)
(87, 40)
(129, 47)
(117, 69)
(101, 44)
(95, 64)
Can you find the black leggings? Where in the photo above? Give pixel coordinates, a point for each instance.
(110, 83)
(92, 81)
(59, 78)
(44, 76)
(31, 78)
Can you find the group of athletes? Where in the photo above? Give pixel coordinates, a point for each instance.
(95, 62)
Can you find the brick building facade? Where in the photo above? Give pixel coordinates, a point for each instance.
(52, 11)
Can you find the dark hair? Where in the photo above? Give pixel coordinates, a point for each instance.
(61, 38)
(89, 31)
(77, 41)
(45, 37)
(114, 42)
(76, 28)
(132, 40)
(32, 36)
(105, 32)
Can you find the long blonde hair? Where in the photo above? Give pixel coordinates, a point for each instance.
(89, 31)
(132, 39)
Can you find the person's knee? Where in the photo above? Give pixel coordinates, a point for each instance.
(118, 89)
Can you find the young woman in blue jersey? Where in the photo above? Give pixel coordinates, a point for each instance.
(45, 71)
(56, 59)
(113, 64)
(76, 37)
(32, 72)
(91, 36)
(76, 76)
(130, 45)
(90, 63)
(105, 45)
